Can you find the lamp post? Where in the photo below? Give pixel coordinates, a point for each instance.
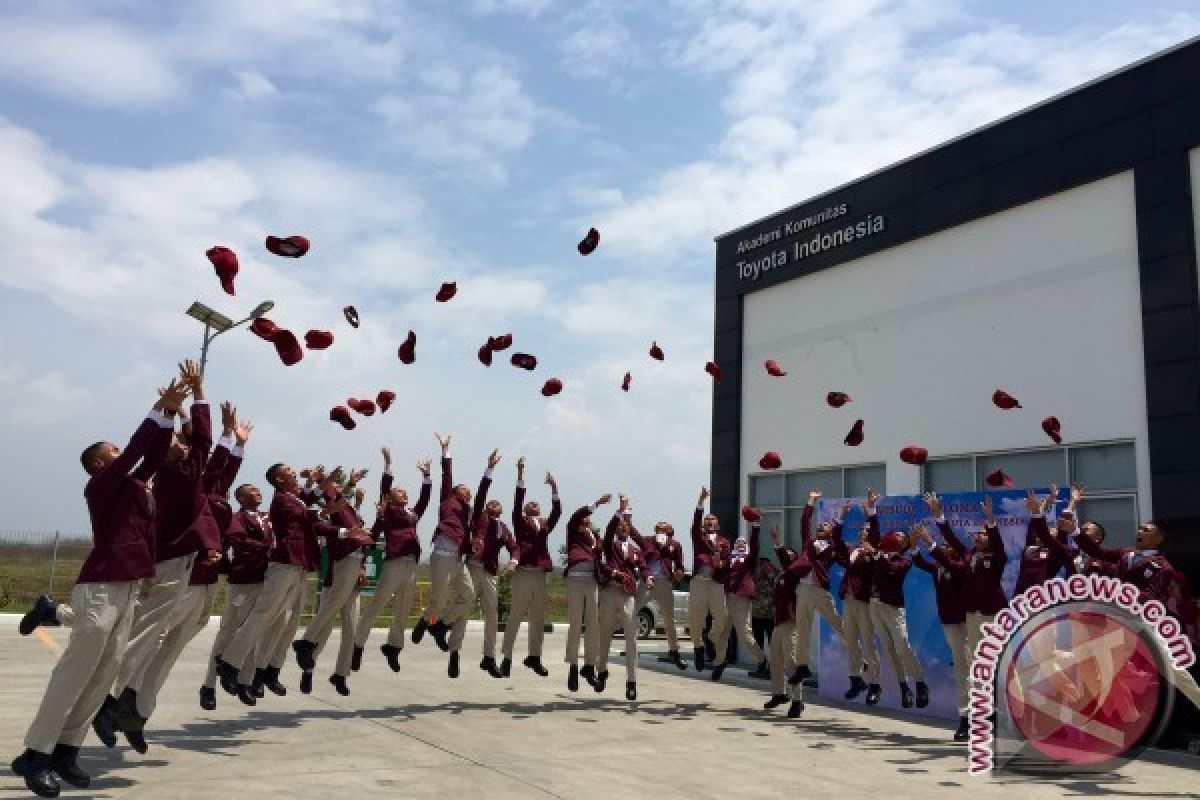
(216, 323)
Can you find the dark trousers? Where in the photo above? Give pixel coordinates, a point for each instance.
(761, 626)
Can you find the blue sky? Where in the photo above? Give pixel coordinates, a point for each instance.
(473, 141)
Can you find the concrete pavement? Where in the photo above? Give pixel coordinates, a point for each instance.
(418, 734)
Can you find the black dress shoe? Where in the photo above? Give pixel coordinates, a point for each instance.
(699, 659)
(208, 698)
(857, 687)
(271, 681)
(588, 673)
(676, 659)
(922, 694)
(105, 723)
(34, 767)
(439, 630)
(488, 665)
(306, 682)
(129, 721)
(258, 686)
(799, 675)
(356, 659)
(452, 665)
(961, 734)
(906, 695)
(506, 668)
(775, 702)
(573, 679)
(304, 651)
(874, 692)
(392, 654)
(339, 683)
(718, 671)
(64, 762)
(418, 631)
(601, 681)
(795, 709)
(535, 664)
(762, 671)
(630, 691)
(42, 613)
(246, 695)
(228, 675)
(136, 740)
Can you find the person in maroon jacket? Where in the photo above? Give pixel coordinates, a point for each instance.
(1041, 560)
(891, 566)
(121, 509)
(449, 578)
(739, 597)
(191, 613)
(664, 562)
(583, 595)
(622, 568)
(489, 535)
(532, 533)
(397, 583)
(818, 553)
(185, 530)
(710, 565)
(857, 627)
(297, 531)
(783, 648)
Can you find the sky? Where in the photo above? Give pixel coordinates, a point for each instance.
(475, 141)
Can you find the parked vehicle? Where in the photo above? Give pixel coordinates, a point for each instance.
(650, 616)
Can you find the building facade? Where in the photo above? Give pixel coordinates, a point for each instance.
(1051, 254)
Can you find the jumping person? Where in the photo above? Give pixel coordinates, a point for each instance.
(948, 585)
(529, 581)
(710, 564)
(122, 518)
(862, 650)
(783, 649)
(623, 568)
(818, 553)
(739, 595)
(489, 534)
(397, 583)
(583, 595)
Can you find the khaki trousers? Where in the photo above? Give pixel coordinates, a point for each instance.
(349, 618)
(443, 571)
(708, 597)
(275, 654)
(397, 585)
(528, 605)
(783, 656)
(333, 600)
(190, 617)
(974, 632)
(239, 600)
(812, 598)
(617, 611)
(103, 614)
(664, 595)
(486, 595)
(956, 638)
(583, 616)
(890, 624)
(859, 632)
(151, 616)
(267, 619)
(740, 611)
(459, 604)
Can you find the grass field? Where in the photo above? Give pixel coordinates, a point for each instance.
(25, 573)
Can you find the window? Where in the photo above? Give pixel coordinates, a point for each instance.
(1029, 468)
(947, 475)
(1106, 467)
(766, 491)
(859, 479)
(1118, 515)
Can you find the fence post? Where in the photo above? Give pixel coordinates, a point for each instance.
(53, 564)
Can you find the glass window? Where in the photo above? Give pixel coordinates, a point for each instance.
(765, 548)
(858, 479)
(799, 484)
(1118, 515)
(1032, 469)
(949, 475)
(1106, 467)
(792, 534)
(766, 490)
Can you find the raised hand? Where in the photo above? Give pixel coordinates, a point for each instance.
(814, 496)
(242, 432)
(228, 418)
(444, 441)
(623, 502)
(604, 498)
(170, 398)
(551, 482)
(989, 508)
(189, 373)
(934, 503)
(387, 456)
(494, 459)
(357, 475)
(775, 540)
(423, 467)
(704, 494)
(521, 467)
(1032, 503)
(872, 498)
(1050, 499)
(1077, 493)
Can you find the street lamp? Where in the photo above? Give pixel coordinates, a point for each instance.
(216, 323)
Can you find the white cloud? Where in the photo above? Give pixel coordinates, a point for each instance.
(38, 401)
(529, 8)
(252, 85)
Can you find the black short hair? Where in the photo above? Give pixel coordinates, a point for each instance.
(1160, 527)
(272, 471)
(237, 493)
(90, 452)
(1099, 527)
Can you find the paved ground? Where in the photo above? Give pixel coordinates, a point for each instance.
(417, 734)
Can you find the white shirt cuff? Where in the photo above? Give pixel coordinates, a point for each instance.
(427, 482)
(487, 473)
(342, 533)
(941, 520)
(161, 418)
(700, 506)
(520, 484)
(387, 470)
(591, 507)
(554, 497)
(237, 451)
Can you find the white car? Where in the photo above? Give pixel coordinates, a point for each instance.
(650, 617)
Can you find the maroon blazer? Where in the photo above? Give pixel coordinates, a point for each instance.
(1149, 571)
(741, 570)
(860, 568)
(346, 518)
(623, 565)
(250, 540)
(398, 526)
(121, 509)
(1039, 563)
(784, 591)
(219, 475)
(672, 555)
(488, 537)
(184, 522)
(948, 586)
(581, 546)
(533, 533)
(455, 516)
(818, 555)
(983, 589)
(297, 531)
(712, 554)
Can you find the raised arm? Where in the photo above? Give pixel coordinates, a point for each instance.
(518, 509)
(426, 489)
(447, 467)
(755, 530)
(149, 443)
(386, 479)
(698, 517)
(555, 504)
(806, 518)
(485, 483)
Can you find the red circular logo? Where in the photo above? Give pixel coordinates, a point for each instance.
(1083, 688)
